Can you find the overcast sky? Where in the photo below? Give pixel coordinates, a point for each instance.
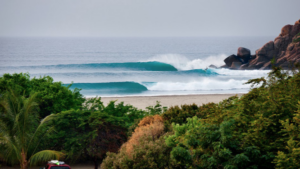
(146, 18)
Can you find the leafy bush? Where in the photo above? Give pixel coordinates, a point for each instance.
(290, 157)
(145, 149)
(152, 154)
(178, 114)
(52, 96)
(96, 129)
(258, 130)
(198, 144)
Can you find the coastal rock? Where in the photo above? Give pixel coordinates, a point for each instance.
(296, 28)
(286, 30)
(235, 65)
(230, 59)
(244, 54)
(253, 56)
(266, 66)
(258, 62)
(290, 47)
(244, 66)
(267, 50)
(285, 49)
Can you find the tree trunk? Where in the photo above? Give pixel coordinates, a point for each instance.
(24, 163)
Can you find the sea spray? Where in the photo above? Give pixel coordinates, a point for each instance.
(183, 63)
(205, 84)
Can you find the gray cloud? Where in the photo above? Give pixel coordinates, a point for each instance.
(145, 18)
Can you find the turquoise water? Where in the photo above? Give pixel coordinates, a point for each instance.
(132, 66)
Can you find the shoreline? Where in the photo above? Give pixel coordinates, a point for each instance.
(141, 102)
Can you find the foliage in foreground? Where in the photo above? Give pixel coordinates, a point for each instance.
(259, 130)
(21, 131)
(52, 97)
(90, 133)
(145, 149)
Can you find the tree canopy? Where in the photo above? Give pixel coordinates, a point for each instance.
(52, 97)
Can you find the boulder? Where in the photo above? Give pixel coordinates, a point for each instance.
(267, 50)
(286, 36)
(232, 58)
(296, 28)
(286, 30)
(243, 53)
(290, 57)
(258, 62)
(266, 66)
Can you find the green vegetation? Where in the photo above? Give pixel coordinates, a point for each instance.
(82, 129)
(21, 131)
(146, 148)
(52, 97)
(259, 130)
(96, 129)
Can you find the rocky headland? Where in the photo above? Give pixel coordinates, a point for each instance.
(285, 49)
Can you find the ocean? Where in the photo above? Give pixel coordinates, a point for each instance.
(133, 66)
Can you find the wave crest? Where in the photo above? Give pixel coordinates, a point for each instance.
(183, 63)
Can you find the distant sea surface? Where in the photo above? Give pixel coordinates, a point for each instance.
(132, 66)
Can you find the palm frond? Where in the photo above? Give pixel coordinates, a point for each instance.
(37, 132)
(37, 141)
(44, 156)
(9, 149)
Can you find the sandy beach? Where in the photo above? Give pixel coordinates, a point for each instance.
(142, 102)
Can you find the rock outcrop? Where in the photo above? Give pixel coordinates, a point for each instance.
(285, 49)
(230, 59)
(244, 54)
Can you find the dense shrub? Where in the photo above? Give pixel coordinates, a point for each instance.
(178, 114)
(89, 133)
(52, 96)
(258, 130)
(145, 149)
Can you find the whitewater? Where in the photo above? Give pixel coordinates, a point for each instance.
(132, 66)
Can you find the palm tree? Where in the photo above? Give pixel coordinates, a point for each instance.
(21, 131)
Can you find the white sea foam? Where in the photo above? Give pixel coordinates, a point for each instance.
(183, 63)
(204, 84)
(243, 73)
